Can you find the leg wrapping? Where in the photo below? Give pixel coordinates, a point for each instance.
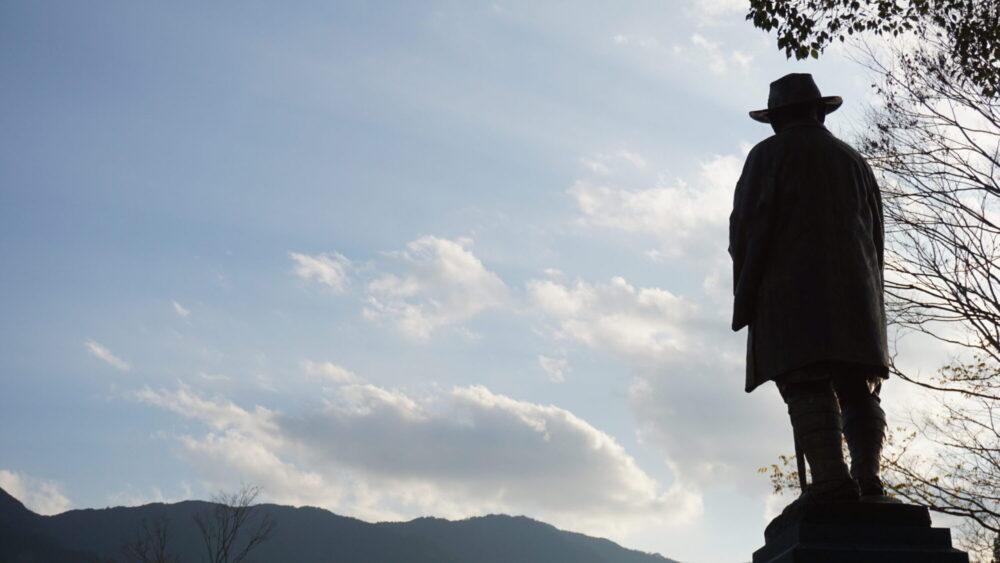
(864, 430)
(816, 422)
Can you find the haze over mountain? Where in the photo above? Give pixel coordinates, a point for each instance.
(304, 535)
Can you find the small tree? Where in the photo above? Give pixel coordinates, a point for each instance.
(234, 526)
(960, 476)
(150, 543)
(935, 141)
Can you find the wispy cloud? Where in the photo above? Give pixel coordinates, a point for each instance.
(132, 496)
(329, 371)
(711, 9)
(181, 310)
(704, 52)
(330, 269)
(713, 50)
(99, 351)
(606, 163)
(556, 368)
(213, 377)
(443, 284)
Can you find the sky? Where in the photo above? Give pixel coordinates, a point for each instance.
(392, 259)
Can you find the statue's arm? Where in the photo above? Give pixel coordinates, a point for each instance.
(750, 224)
(737, 225)
(878, 221)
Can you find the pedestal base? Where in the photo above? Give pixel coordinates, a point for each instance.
(860, 533)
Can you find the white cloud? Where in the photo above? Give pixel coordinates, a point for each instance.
(596, 166)
(717, 62)
(635, 159)
(714, 53)
(556, 368)
(720, 8)
(39, 495)
(687, 393)
(99, 351)
(646, 323)
(642, 41)
(687, 390)
(213, 377)
(221, 414)
(329, 371)
(697, 413)
(684, 218)
(444, 284)
(382, 453)
(607, 163)
(742, 59)
(331, 270)
(220, 456)
(180, 309)
(131, 496)
(773, 505)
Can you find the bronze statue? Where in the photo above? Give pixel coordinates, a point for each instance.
(806, 239)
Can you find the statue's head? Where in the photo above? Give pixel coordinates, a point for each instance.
(809, 112)
(795, 97)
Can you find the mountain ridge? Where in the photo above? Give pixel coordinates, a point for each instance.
(305, 534)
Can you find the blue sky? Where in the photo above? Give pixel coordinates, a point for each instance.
(391, 259)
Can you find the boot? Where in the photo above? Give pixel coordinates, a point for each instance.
(817, 426)
(864, 430)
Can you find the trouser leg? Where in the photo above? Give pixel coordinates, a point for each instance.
(816, 423)
(864, 429)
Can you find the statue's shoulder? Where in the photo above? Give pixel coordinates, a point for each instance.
(832, 144)
(765, 155)
(764, 148)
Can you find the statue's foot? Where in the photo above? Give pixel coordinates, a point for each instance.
(821, 492)
(836, 490)
(880, 499)
(872, 491)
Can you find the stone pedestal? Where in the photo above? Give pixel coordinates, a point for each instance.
(858, 533)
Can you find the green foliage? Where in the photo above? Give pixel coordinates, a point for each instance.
(971, 27)
(949, 462)
(784, 474)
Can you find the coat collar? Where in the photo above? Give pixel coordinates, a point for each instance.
(804, 123)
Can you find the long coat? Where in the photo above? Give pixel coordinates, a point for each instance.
(806, 239)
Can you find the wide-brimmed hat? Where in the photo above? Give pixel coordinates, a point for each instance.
(794, 89)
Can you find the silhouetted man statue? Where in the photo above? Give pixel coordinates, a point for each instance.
(806, 240)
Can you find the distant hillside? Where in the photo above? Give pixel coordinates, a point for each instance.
(304, 535)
